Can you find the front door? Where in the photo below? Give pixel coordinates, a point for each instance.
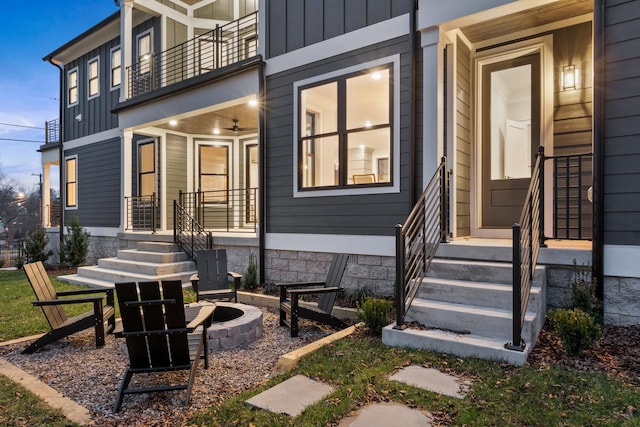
(510, 130)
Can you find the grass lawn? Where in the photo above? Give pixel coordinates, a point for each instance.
(359, 368)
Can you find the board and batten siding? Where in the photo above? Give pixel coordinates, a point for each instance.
(176, 171)
(98, 184)
(354, 214)
(293, 24)
(94, 115)
(464, 130)
(622, 123)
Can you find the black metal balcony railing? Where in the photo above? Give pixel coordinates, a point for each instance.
(222, 46)
(52, 132)
(573, 212)
(52, 215)
(142, 213)
(223, 211)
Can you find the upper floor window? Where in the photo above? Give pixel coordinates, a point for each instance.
(71, 182)
(214, 172)
(144, 53)
(116, 67)
(93, 76)
(345, 137)
(72, 87)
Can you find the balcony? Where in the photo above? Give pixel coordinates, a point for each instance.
(52, 132)
(215, 49)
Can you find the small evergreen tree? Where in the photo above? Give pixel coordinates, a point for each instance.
(251, 274)
(75, 246)
(35, 246)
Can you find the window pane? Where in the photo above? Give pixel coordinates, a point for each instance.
(213, 160)
(322, 102)
(71, 194)
(364, 150)
(115, 58)
(368, 100)
(320, 162)
(146, 158)
(73, 79)
(71, 170)
(93, 69)
(93, 87)
(147, 184)
(73, 95)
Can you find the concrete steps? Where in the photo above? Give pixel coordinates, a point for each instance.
(149, 261)
(464, 308)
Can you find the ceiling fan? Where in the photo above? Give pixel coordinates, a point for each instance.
(236, 128)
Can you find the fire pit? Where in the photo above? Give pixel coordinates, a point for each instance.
(234, 325)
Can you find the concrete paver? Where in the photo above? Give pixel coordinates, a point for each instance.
(387, 415)
(431, 379)
(291, 396)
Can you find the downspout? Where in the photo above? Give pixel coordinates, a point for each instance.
(262, 138)
(597, 251)
(412, 125)
(61, 150)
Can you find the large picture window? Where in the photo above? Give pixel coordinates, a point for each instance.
(72, 87)
(345, 129)
(93, 76)
(214, 173)
(71, 182)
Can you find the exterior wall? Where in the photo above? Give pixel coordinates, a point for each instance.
(293, 24)
(348, 215)
(176, 172)
(463, 141)
(98, 184)
(621, 162)
(95, 113)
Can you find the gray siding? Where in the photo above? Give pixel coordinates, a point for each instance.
(463, 139)
(176, 171)
(292, 24)
(98, 184)
(96, 112)
(361, 214)
(622, 123)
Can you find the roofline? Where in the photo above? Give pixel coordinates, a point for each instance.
(51, 56)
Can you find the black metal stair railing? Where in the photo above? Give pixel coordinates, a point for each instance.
(188, 233)
(417, 240)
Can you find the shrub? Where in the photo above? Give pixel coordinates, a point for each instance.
(75, 246)
(374, 312)
(577, 329)
(35, 246)
(251, 274)
(270, 289)
(353, 297)
(583, 292)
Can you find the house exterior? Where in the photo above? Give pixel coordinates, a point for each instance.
(297, 129)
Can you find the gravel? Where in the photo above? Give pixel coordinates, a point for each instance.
(91, 376)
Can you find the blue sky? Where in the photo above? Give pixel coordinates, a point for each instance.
(29, 87)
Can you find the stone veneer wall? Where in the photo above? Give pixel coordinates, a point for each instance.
(99, 247)
(622, 300)
(363, 271)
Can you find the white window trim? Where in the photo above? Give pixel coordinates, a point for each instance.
(394, 60)
(111, 85)
(66, 207)
(71, 71)
(230, 172)
(95, 59)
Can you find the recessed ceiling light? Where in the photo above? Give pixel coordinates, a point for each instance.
(216, 131)
(253, 102)
(173, 122)
(376, 76)
(367, 124)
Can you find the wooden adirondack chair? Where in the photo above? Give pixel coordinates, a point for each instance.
(327, 291)
(154, 324)
(61, 325)
(212, 281)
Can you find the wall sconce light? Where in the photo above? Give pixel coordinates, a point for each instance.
(569, 77)
(79, 118)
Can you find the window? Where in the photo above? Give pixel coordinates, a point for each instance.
(71, 182)
(214, 172)
(146, 169)
(116, 67)
(345, 128)
(93, 75)
(72, 87)
(144, 53)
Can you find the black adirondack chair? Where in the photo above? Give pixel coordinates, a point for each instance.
(327, 291)
(51, 303)
(213, 278)
(158, 337)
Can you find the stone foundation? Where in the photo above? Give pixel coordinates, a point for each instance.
(99, 247)
(622, 300)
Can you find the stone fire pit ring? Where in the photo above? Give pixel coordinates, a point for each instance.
(234, 324)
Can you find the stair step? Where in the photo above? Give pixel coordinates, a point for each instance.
(470, 345)
(477, 320)
(145, 268)
(93, 274)
(157, 247)
(146, 256)
(478, 271)
(496, 295)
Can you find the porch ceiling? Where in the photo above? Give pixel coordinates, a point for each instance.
(529, 18)
(203, 124)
